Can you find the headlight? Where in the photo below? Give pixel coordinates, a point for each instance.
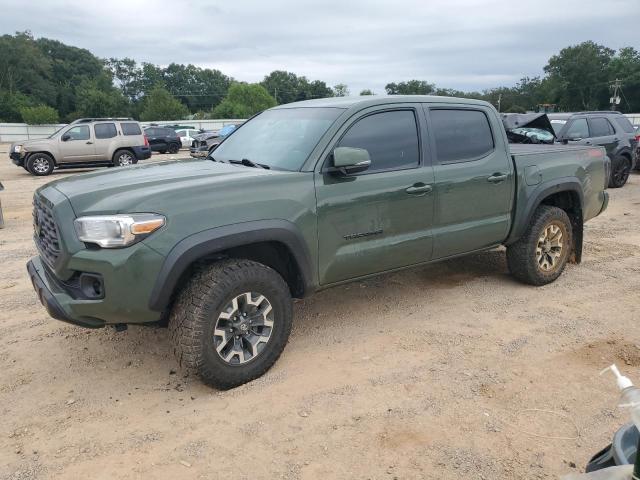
(112, 231)
(17, 148)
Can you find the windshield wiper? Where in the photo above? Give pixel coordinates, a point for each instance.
(248, 163)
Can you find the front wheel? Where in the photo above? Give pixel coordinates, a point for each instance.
(540, 255)
(620, 169)
(40, 164)
(231, 322)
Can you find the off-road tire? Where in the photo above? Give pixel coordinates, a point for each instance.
(174, 148)
(35, 164)
(196, 310)
(119, 158)
(620, 170)
(522, 256)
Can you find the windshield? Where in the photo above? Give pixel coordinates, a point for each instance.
(56, 132)
(281, 138)
(557, 125)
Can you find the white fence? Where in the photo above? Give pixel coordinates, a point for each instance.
(14, 132)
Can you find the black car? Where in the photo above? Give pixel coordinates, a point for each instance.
(608, 129)
(163, 140)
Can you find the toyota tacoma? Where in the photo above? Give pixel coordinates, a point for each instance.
(300, 198)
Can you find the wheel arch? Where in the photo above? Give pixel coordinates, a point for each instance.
(275, 243)
(29, 154)
(565, 193)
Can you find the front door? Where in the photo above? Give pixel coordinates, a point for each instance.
(473, 180)
(379, 219)
(76, 144)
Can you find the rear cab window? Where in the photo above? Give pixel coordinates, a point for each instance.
(130, 128)
(450, 126)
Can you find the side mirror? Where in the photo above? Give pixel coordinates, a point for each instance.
(65, 137)
(348, 160)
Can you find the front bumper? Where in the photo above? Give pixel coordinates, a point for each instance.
(16, 158)
(53, 296)
(199, 152)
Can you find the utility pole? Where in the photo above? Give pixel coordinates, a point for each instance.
(499, 101)
(615, 99)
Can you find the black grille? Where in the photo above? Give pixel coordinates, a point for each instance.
(45, 231)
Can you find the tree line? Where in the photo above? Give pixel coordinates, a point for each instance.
(45, 81)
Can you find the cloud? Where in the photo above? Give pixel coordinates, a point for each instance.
(464, 44)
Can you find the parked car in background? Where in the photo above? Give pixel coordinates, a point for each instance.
(607, 129)
(528, 128)
(187, 136)
(87, 142)
(206, 143)
(303, 197)
(177, 127)
(163, 139)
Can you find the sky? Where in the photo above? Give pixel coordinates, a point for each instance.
(462, 44)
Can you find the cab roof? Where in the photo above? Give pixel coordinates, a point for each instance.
(370, 100)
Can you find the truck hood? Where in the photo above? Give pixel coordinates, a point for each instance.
(35, 144)
(130, 189)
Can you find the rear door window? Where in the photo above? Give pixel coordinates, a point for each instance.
(461, 135)
(130, 128)
(151, 132)
(600, 127)
(578, 129)
(391, 138)
(105, 130)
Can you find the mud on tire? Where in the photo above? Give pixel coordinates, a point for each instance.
(540, 255)
(196, 321)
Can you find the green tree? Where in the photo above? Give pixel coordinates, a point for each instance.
(411, 87)
(39, 115)
(287, 87)
(11, 104)
(580, 75)
(244, 100)
(366, 91)
(340, 90)
(99, 98)
(159, 104)
(127, 76)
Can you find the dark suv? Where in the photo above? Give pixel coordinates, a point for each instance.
(610, 130)
(163, 139)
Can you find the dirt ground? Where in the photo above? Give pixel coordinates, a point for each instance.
(444, 372)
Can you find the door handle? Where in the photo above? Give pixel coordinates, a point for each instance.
(418, 189)
(587, 142)
(497, 178)
(89, 143)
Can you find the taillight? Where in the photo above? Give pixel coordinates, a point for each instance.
(146, 141)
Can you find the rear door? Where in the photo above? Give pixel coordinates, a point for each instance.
(379, 219)
(602, 134)
(474, 179)
(105, 134)
(78, 146)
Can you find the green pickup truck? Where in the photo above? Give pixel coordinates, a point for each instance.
(303, 197)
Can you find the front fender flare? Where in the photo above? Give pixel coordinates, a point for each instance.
(209, 242)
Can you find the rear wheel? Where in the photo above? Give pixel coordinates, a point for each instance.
(231, 322)
(40, 164)
(540, 255)
(620, 169)
(174, 148)
(123, 158)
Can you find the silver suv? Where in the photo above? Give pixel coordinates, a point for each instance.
(87, 142)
